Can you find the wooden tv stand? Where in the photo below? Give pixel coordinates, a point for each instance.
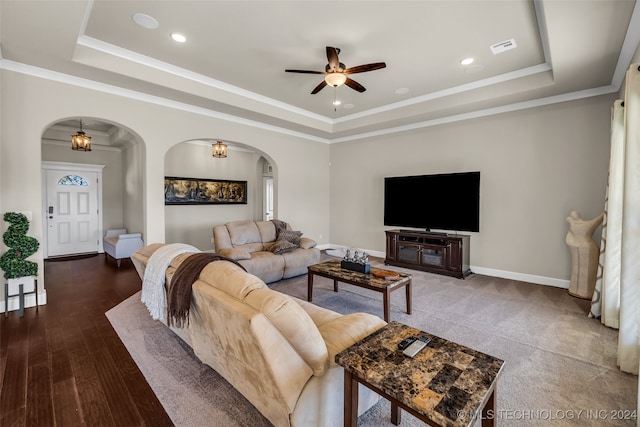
(446, 254)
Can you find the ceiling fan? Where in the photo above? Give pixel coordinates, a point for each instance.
(336, 72)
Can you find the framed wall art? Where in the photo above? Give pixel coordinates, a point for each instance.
(200, 191)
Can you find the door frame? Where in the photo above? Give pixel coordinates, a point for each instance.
(266, 197)
(71, 167)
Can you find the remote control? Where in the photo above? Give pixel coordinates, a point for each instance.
(414, 348)
(406, 342)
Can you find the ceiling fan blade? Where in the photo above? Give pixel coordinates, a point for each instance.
(366, 67)
(332, 56)
(304, 71)
(355, 85)
(319, 87)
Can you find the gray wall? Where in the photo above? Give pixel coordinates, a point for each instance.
(536, 166)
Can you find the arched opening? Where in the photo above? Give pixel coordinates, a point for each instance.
(192, 223)
(115, 150)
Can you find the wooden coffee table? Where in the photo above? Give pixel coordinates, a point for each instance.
(332, 270)
(445, 384)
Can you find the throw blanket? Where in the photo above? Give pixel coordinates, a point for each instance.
(153, 293)
(280, 226)
(179, 299)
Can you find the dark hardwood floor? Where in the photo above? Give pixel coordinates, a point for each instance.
(64, 365)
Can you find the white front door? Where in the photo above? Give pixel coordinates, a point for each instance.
(72, 212)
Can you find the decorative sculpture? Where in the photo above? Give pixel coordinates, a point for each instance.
(584, 254)
(356, 262)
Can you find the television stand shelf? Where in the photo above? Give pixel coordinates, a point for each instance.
(438, 253)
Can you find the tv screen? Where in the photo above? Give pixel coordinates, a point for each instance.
(440, 202)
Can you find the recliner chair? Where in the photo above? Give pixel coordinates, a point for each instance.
(120, 244)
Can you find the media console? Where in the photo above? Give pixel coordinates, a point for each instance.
(439, 253)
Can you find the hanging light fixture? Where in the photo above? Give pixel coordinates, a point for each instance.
(80, 141)
(335, 79)
(219, 150)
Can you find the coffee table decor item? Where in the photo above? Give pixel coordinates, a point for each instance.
(443, 384)
(358, 262)
(385, 274)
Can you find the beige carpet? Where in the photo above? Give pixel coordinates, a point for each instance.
(560, 365)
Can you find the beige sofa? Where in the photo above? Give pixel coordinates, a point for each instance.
(250, 243)
(276, 350)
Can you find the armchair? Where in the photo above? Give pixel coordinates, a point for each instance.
(120, 244)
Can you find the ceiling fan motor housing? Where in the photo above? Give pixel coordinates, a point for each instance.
(341, 68)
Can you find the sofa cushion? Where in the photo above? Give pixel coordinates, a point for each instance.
(307, 243)
(146, 251)
(230, 279)
(235, 253)
(267, 231)
(221, 238)
(297, 261)
(243, 232)
(294, 324)
(344, 331)
(264, 265)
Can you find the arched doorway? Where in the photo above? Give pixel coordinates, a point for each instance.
(119, 153)
(194, 160)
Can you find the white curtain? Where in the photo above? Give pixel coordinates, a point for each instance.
(617, 297)
(606, 297)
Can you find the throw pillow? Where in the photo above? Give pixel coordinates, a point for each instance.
(291, 236)
(281, 246)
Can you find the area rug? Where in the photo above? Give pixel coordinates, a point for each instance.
(560, 365)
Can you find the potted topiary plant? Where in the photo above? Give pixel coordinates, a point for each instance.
(17, 270)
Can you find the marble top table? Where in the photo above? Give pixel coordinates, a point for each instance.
(332, 270)
(445, 384)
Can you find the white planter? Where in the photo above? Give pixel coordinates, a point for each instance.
(28, 285)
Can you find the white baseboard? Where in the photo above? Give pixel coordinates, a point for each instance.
(530, 278)
(29, 301)
(523, 277)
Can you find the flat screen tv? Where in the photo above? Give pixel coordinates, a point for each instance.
(448, 201)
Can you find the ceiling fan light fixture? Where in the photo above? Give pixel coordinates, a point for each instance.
(335, 79)
(219, 150)
(80, 141)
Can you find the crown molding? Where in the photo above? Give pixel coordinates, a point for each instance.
(128, 93)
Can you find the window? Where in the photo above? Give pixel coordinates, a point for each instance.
(73, 180)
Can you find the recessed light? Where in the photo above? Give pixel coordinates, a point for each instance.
(467, 61)
(347, 106)
(401, 90)
(145, 21)
(337, 102)
(180, 38)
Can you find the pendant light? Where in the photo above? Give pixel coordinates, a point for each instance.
(219, 150)
(80, 141)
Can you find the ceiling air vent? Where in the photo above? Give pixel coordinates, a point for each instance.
(503, 46)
